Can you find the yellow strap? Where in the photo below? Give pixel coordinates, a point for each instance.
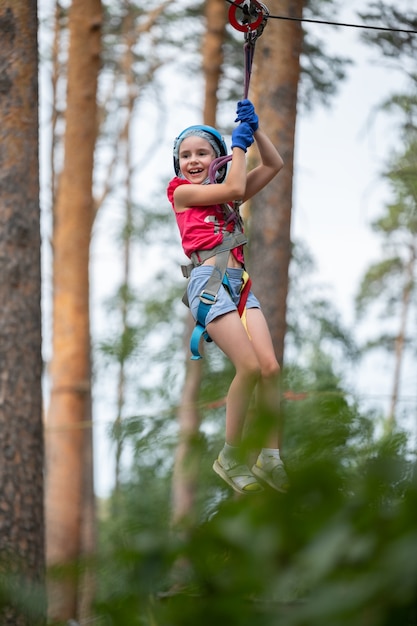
(245, 278)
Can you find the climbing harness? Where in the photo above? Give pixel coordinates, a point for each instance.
(250, 17)
(218, 277)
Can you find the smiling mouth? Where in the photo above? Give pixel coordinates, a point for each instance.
(194, 172)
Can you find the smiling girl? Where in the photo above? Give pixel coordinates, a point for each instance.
(208, 217)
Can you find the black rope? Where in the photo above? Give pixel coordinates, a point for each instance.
(345, 24)
(330, 23)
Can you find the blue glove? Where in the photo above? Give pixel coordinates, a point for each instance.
(246, 113)
(242, 136)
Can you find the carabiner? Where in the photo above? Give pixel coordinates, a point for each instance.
(252, 18)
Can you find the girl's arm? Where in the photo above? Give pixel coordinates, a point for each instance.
(233, 188)
(271, 164)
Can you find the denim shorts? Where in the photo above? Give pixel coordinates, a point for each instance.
(226, 301)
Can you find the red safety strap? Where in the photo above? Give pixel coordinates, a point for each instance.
(244, 296)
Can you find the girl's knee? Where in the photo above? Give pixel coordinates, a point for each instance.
(270, 370)
(251, 370)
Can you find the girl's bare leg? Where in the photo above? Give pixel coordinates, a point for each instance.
(268, 386)
(229, 334)
(268, 467)
(255, 362)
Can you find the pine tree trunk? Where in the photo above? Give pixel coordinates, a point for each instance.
(21, 428)
(69, 457)
(216, 18)
(401, 337)
(186, 466)
(275, 84)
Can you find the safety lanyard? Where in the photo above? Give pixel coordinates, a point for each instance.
(249, 17)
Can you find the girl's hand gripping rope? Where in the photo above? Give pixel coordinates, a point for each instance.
(246, 113)
(242, 136)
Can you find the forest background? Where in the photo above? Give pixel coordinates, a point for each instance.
(336, 549)
(341, 151)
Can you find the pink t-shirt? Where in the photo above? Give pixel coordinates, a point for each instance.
(201, 228)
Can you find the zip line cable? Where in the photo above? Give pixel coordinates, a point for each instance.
(345, 24)
(331, 23)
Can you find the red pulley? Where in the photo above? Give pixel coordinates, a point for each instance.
(249, 21)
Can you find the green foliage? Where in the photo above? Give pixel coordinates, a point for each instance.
(390, 281)
(398, 50)
(402, 214)
(380, 278)
(334, 550)
(22, 601)
(394, 45)
(337, 549)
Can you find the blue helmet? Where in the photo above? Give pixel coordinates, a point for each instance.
(211, 135)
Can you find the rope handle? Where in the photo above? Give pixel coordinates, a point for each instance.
(217, 164)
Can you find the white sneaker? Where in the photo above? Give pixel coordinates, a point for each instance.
(271, 470)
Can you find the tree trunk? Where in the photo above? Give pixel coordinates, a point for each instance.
(21, 431)
(216, 18)
(69, 457)
(186, 467)
(275, 82)
(401, 337)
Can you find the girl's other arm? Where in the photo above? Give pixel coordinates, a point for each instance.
(271, 164)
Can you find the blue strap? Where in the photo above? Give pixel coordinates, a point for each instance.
(198, 332)
(209, 295)
(206, 301)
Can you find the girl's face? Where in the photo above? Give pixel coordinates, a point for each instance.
(195, 156)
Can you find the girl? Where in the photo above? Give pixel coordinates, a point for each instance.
(206, 218)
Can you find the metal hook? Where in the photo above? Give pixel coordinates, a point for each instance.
(255, 15)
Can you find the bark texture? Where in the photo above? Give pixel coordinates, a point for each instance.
(216, 18)
(22, 561)
(69, 512)
(275, 86)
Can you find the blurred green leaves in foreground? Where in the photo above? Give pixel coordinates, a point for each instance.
(340, 549)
